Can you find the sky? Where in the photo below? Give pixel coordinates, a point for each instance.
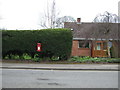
(26, 14)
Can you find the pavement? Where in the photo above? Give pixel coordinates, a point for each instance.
(98, 67)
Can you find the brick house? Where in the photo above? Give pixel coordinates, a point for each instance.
(94, 39)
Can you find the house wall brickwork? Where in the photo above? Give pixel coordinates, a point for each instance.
(84, 52)
(76, 51)
(74, 48)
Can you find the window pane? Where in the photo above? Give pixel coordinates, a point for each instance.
(83, 44)
(87, 45)
(98, 46)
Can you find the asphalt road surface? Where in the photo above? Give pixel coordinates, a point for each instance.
(21, 78)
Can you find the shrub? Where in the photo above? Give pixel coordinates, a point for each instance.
(36, 58)
(6, 57)
(94, 60)
(55, 42)
(14, 56)
(26, 56)
(55, 58)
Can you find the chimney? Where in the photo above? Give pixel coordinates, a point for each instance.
(78, 20)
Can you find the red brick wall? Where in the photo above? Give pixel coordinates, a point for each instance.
(84, 52)
(76, 51)
(74, 48)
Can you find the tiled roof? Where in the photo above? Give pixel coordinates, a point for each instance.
(94, 30)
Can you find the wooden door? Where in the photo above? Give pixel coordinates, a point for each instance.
(100, 49)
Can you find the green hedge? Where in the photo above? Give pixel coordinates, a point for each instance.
(55, 42)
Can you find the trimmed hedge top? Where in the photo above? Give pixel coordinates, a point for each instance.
(55, 42)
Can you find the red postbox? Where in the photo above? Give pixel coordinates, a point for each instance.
(38, 47)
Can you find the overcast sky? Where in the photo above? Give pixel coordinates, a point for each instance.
(25, 14)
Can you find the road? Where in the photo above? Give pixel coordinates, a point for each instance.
(21, 78)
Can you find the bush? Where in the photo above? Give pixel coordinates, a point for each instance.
(36, 58)
(6, 57)
(94, 60)
(55, 58)
(14, 56)
(55, 42)
(26, 56)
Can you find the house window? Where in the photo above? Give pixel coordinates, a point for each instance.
(84, 44)
(98, 46)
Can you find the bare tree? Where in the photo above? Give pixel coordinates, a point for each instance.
(50, 18)
(60, 21)
(104, 29)
(106, 17)
(50, 15)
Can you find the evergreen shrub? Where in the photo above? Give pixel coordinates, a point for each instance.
(55, 42)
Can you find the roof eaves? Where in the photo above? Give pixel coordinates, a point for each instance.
(93, 39)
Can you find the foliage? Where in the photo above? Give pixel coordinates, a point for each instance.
(55, 42)
(14, 56)
(88, 59)
(25, 56)
(6, 57)
(55, 58)
(75, 59)
(36, 58)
